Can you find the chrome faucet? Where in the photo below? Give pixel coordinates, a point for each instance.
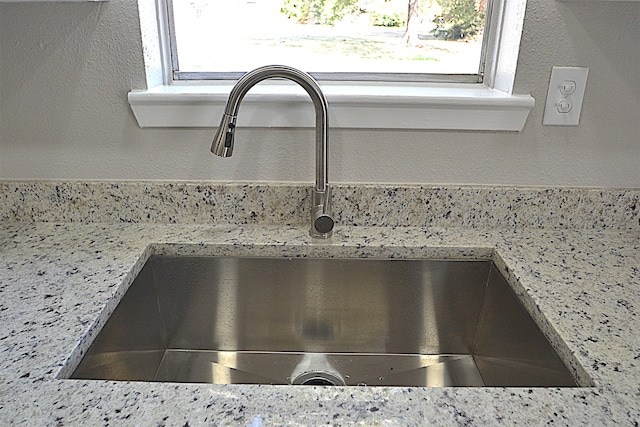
(321, 220)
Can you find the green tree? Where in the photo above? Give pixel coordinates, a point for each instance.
(459, 19)
(318, 11)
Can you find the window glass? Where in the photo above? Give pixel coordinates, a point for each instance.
(368, 39)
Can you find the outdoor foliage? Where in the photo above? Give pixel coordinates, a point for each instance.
(459, 19)
(388, 19)
(318, 11)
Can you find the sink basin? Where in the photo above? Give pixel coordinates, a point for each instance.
(323, 321)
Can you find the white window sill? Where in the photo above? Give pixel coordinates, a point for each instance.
(384, 106)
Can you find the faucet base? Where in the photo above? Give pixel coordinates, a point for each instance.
(313, 233)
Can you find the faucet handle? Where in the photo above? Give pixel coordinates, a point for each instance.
(322, 222)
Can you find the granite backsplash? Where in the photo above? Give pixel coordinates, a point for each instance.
(185, 202)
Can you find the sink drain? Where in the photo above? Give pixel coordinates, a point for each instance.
(316, 369)
(318, 378)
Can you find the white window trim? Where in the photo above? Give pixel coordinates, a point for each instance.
(490, 106)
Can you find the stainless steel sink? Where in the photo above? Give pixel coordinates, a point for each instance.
(227, 320)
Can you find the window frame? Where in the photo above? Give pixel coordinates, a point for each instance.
(171, 50)
(489, 105)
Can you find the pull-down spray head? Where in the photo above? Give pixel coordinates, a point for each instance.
(223, 141)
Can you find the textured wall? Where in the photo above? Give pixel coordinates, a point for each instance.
(65, 70)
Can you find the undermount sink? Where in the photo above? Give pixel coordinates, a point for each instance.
(323, 321)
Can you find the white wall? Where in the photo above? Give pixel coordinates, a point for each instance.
(66, 68)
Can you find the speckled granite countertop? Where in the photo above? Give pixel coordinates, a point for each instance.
(59, 281)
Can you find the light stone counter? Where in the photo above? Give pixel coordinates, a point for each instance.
(59, 281)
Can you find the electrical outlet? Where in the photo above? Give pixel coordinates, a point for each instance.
(564, 99)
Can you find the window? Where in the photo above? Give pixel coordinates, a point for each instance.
(375, 40)
(180, 94)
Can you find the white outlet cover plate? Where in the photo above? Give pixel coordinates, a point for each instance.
(555, 97)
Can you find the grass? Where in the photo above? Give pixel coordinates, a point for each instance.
(355, 47)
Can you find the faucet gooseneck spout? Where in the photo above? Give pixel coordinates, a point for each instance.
(322, 222)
